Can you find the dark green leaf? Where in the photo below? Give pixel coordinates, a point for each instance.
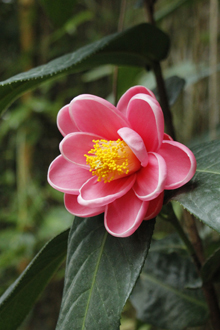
(18, 299)
(162, 296)
(135, 46)
(174, 86)
(53, 10)
(101, 272)
(211, 269)
(201, 195)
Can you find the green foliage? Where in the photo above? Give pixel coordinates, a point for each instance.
(101, 270)
(211, 268)
(100, 274)
(54, 11)
(122, 48)
(22, 294)
(174, 85)
(201, 196)
(167, 285)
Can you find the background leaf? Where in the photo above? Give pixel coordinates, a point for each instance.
(162, 296)
(17, 301)
(211, 268)
(135, 47)
(201, 195)
(52, 8)
(101, 272)
(174, 86)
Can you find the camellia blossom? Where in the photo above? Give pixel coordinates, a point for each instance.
(117, 160)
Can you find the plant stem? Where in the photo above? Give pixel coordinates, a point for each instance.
(192, 231)
(175, 222)
(193, 243)
(208, 288)
(164, 99)
(149, 9)
(194, 246)
(120, 28)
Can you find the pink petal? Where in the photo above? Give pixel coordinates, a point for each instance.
(167, 137)
(74, 146)
(180, 161)
(64, 123)
(100, 193)
(124, 215)
(67, 177)
(154, 208)
(135, 143)
(146, 118)
(75, 208)
(95, 115)
(151, 179)
(124, 100)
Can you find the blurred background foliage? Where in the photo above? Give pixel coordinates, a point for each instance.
(36, 31)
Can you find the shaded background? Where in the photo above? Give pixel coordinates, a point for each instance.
(34, 32)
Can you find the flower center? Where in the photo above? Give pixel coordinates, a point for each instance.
(111, 160)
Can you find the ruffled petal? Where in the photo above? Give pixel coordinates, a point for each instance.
(124, 215)
(64, 123)
(151, 179)
(75, 208)
(100, 193)
(67, 177)
(124, 100)
(135, 143)
(74, 146)
(95, 115)
(180, 161)
(146, 118)
(167, 137)
(154, 208)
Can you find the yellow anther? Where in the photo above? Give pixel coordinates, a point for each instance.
(111, 160)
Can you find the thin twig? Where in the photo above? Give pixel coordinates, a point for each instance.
(208, 288)
(120, 28)
(164, 99)
(149, 9)
(193, 243)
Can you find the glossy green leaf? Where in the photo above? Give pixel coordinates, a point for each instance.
(19, 298)
(101, 272)
(134, 47)
(201, 195)
(163, 296)
(211, 268)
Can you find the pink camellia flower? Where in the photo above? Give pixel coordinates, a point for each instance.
(117, 160)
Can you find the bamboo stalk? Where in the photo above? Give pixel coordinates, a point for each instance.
(213, 61)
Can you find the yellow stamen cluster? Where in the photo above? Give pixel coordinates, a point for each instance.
(109, 159)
